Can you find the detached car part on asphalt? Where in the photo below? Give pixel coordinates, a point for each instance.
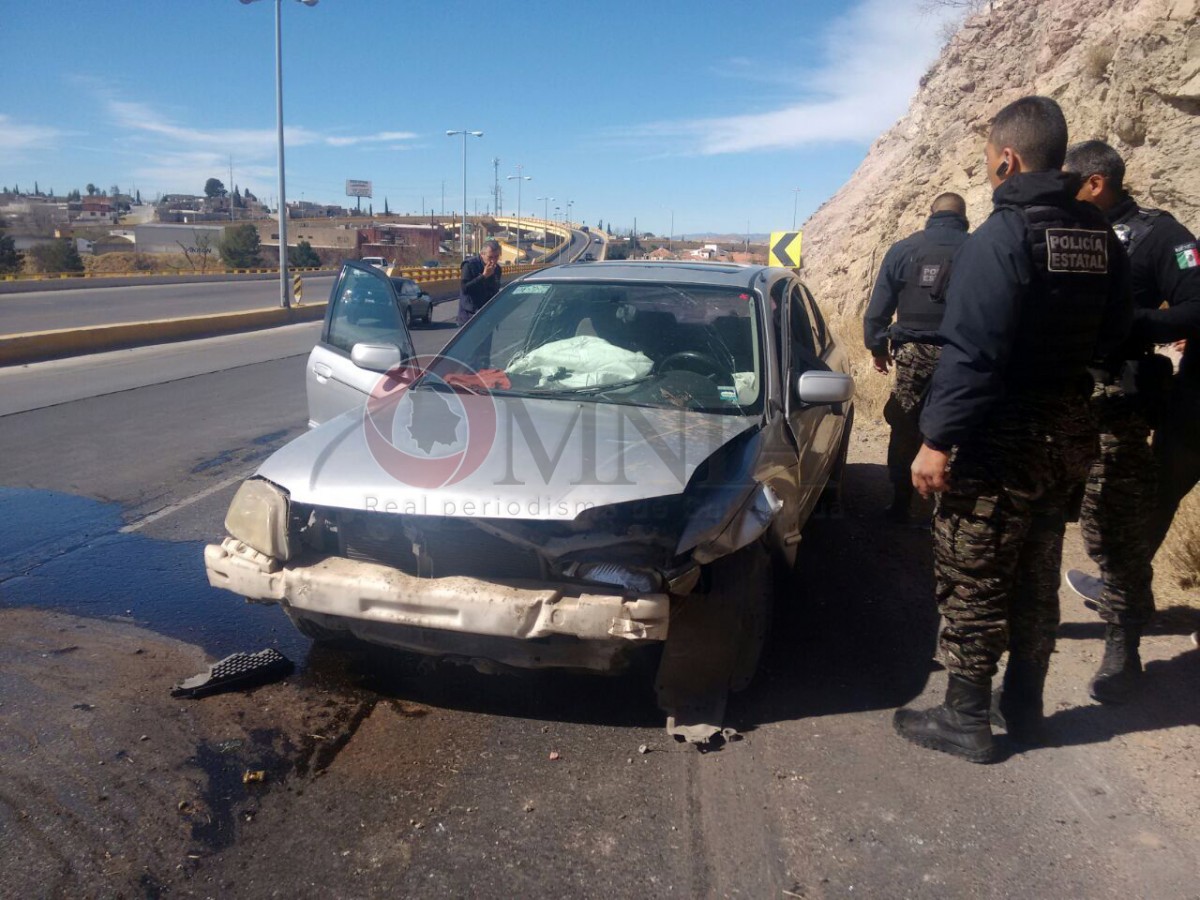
(608, 456)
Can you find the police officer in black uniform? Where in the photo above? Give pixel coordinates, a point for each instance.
(1127, 511)
(912, 286)
(1037, 291)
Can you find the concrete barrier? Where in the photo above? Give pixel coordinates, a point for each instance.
(34, 346)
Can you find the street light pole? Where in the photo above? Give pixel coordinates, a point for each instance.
(285, 290)
(518, 178)
(546, 217)
(795, 201)
(463, 234)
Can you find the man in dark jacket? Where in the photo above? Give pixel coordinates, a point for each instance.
(912, 287)
(1037, 293)
(1122, 523)
(481, 275)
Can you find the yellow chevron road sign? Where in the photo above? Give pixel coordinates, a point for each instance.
(784, 249)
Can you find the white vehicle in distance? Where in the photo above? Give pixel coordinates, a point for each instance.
(377, 261)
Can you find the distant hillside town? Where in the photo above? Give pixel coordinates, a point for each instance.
(113, 231)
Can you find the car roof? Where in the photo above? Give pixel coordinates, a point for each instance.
(734, 275)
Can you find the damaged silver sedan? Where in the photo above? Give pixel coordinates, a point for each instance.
(606, 457)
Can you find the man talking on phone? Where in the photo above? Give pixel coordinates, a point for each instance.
(481, 275)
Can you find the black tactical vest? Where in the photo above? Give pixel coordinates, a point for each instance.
(1134, 227)
(1061, 315)
(921, 303)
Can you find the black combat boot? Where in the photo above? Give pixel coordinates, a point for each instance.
(1018, 708)
(1120, 671)
(960, 726)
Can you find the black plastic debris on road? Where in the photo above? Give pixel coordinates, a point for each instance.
(236, 672)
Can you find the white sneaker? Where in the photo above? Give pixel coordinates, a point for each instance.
(1089, 587)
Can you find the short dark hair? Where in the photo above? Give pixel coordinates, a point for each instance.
(1096, 158)
(949, 202)
(1036, 129)
(492, 245)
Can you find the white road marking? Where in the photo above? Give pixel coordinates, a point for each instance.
(187, 501)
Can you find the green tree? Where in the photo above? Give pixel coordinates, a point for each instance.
(10, 257)
(240, 246)
(91, 189)
(36, 191)
(214, 188)
(139, 198)
(57, 256)
(386, 211)
(303, 256)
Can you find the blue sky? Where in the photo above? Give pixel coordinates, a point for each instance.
(715, 111)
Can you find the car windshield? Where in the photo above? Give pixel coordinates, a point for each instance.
(661, 345)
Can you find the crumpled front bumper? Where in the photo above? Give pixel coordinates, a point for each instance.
(369, 592)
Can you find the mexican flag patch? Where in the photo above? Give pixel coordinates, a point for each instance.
(1187, 256)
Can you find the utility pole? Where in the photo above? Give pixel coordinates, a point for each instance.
(229, 193)
(671, 236)
(496, 185)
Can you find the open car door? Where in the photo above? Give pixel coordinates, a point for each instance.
(364, 336)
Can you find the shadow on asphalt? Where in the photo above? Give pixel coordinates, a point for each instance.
(623, 700)
(1172, 620)
(1167, 699)
(861, 630)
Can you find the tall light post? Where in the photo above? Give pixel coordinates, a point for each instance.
(518, 178)
(463, 234)
(285, 290)
(546, 217)
(795, 201)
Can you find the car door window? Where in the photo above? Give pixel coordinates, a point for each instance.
(365, 312)
(804, 354)
(816, 322)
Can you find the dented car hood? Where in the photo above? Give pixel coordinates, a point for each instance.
(486, 456)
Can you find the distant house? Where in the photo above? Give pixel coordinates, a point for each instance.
(96, 209)
(708, 251)
(661, 253)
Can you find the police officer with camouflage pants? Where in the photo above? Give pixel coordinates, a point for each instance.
(1122, 524)
(911, 286)
(1037, 291)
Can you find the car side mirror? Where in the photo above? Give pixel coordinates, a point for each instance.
(376, 357)
(824, 388)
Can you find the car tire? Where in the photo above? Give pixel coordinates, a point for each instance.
(747, 578)
(408, 317)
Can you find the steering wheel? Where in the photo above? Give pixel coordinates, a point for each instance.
(698, 363)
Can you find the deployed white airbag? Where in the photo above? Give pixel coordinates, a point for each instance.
(581, 361)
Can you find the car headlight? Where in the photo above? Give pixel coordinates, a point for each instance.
(258, 517)
(641, 581)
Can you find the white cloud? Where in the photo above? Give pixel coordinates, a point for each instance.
(178, 154)
(241, 142)
(18, 137)
(872, 59)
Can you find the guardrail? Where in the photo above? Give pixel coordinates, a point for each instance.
(29, 347)
(59, 276)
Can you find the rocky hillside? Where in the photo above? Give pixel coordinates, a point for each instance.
(1124, 71)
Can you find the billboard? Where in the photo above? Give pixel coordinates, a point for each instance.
(358, 188)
